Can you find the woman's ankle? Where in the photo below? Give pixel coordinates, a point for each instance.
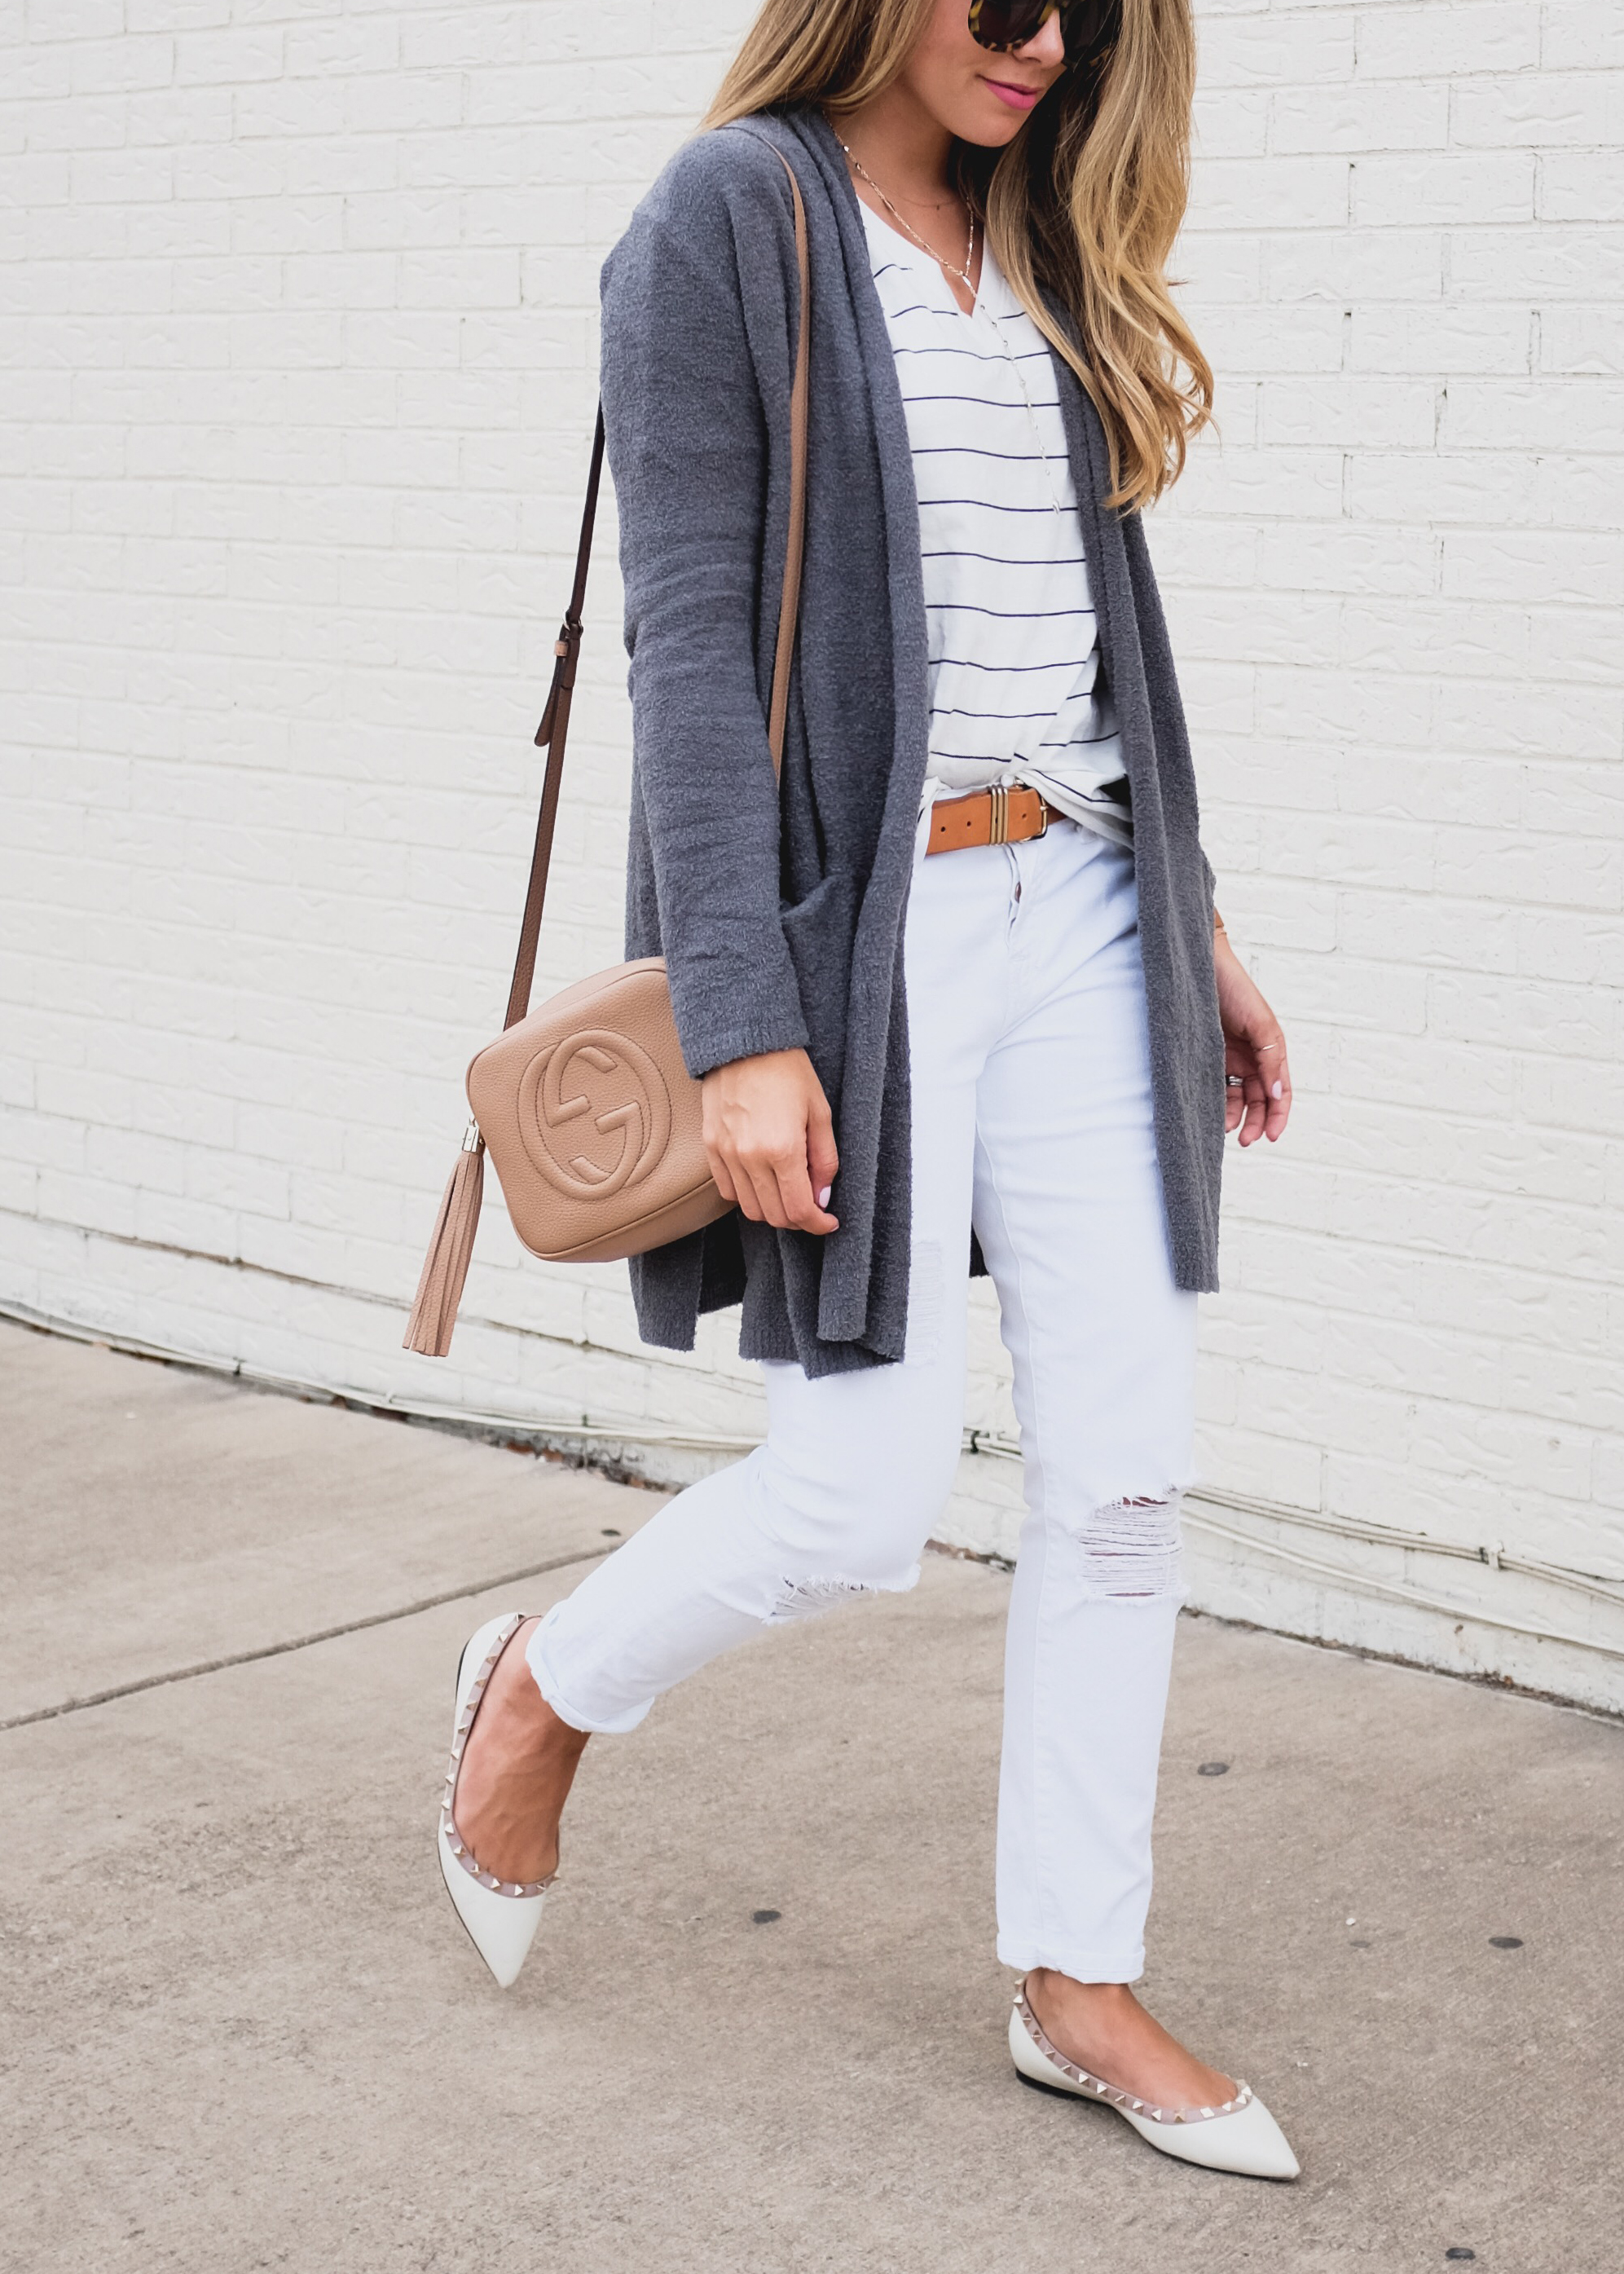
(1050, 1988)
(518, 1764)
(559, 1739)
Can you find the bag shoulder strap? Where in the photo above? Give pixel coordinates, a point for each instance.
(554, 729)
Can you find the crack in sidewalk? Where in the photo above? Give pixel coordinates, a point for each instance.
(301, 1642)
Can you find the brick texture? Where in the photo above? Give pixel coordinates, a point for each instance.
(1395, 583)
(296, 346)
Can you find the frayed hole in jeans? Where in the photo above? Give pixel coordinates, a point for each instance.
(805, 1599)
(1131, 1547)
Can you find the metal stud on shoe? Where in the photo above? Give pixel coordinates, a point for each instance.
(501, 1918)
(1125, 2101)
(1240, 2136)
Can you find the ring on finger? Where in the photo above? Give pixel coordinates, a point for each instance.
(1234, 1082)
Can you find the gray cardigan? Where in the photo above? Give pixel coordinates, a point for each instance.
(781, 918)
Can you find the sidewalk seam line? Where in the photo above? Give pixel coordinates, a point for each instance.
(301, 1642)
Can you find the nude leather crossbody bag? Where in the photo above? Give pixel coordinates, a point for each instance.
(584, 1105)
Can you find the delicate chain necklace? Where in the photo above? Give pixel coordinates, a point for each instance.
(924, 245)
(977, 307)
(1032, 416)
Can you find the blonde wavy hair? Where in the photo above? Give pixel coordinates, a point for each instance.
(1085, 203)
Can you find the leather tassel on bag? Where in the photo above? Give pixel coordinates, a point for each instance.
(440, 1289)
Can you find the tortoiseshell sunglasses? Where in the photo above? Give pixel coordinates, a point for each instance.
(1002, 24)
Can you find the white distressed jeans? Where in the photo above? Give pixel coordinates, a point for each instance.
(1032, 1118)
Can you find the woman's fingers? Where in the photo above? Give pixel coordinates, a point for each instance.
(1257, 1096)
(746, 1198)
(1255, 1107)
(774, 1188)
(1276, 1076)
(783, 1182)
(770, 1140)
(1245, 1095)
(823, 1153)
(1257, 1089)
(797, 1205)
(1235, 1072)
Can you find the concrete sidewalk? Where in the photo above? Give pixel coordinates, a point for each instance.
(242, 2028)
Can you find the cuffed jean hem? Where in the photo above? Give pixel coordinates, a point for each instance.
(536, 1659)
(1082, 1965)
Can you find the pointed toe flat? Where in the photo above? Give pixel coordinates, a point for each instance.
(1238, 2136)
(502, 1915)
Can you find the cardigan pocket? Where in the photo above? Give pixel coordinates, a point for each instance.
(819, 932)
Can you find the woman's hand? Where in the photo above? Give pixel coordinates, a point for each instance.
(1258, 1103)
(771, 1140)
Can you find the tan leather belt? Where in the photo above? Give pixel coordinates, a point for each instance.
(989, 816)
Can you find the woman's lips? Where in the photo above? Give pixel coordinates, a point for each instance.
(1016, 97)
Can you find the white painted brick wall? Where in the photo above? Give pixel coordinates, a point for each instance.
(1395, 583)
(297, 336)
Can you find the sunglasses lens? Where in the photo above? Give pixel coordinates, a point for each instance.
(1000, 24)
(1003, 23)
(1084, 25)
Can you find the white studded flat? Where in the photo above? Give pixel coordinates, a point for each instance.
(502, 1915)
(1239, 2136)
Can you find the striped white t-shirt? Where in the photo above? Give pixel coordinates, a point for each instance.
(1016, 692)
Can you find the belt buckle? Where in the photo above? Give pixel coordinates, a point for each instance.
(997, 797)
(998, 823)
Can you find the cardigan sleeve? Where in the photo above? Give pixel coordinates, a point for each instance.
(695, 394)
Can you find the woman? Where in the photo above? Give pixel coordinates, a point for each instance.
(954, 991)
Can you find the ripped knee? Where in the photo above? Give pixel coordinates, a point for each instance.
(1131, 1547)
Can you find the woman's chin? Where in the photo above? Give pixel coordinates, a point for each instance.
(987, 125)
(986, 119)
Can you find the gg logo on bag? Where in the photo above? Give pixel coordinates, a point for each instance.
(592, 1088)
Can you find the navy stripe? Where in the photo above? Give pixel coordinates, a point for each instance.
(968, 662)
(973, 450)
(931, 346)
(1010, 717)
(977, 402)
(988, 505)
(1005, 615)
(999, 560)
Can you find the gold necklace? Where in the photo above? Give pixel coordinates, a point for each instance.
(924, 243)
